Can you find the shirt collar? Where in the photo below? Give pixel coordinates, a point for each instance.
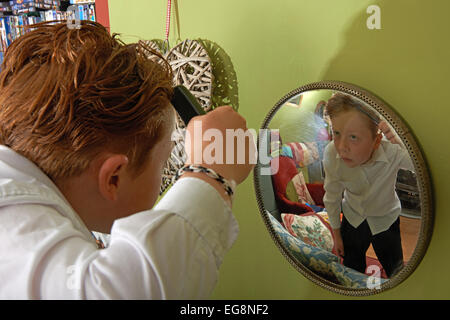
(22, 169)
(378, 156)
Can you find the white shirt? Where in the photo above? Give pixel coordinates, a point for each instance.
(46, 252)
(366, 192)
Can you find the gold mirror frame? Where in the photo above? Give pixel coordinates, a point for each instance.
(422, 176)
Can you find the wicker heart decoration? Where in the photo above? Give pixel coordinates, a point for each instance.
(191, 66)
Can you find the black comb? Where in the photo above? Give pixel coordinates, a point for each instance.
(186, 104)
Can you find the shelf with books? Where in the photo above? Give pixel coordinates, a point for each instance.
(17, 14)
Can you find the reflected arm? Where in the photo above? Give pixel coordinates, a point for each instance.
(405, 160)
(333, 187)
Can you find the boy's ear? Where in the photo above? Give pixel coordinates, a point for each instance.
(378, 140)
(110, 175)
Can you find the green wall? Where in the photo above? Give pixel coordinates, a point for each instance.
(276, 46)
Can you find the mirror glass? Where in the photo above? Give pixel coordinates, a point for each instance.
(340, 161)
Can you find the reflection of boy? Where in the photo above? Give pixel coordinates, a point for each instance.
(360, 177)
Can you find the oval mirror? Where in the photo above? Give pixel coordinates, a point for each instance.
(343, 188)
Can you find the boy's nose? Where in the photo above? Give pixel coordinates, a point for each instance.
(343, 146)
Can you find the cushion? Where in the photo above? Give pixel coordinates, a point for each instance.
(351, 278)
(324, 216)
(301, 189)
(284, 170)
(291, 193)
(317, 192)
(310, 228)
(303, 154)
(274, 149)
(314, 258)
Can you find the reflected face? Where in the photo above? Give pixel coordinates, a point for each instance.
(353, 139)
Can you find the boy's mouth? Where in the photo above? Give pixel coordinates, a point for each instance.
(348, 160)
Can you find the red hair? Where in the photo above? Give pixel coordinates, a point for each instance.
(340, 103)
(67, 95)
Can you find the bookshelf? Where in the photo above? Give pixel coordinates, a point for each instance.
(15, 14)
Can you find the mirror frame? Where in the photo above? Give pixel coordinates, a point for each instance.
(422, 175)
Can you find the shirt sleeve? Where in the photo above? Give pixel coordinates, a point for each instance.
(333, 187)
(405, 160)
(173, 251)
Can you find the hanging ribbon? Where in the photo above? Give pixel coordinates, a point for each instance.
(166, 41)
(166, 46)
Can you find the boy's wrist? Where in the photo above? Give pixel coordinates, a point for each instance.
(337, 232)
(214, 183)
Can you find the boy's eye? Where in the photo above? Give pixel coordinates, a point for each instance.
(353, 137)
(335, 133)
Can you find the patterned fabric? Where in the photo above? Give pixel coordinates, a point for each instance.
(228, 185)
(291, 193)
(323, 262)
(301, 189)
(297, 190)
(286, 151)
(351, 278)
(313, 152)
(303, 154)
(316, 259)
(324, 216)
(275, 149)
(284, 170)
(310, 229)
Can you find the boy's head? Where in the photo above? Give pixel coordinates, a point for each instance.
(71, 96)
(67, 95)
(355, 129)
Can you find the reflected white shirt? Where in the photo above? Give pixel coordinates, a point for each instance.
(366, 192)
(46, 252)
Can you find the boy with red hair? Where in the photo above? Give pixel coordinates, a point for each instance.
(360, 177)
(85, 127)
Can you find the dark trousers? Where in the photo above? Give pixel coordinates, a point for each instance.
(387, 246)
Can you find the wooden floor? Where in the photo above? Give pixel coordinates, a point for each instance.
(409, 229)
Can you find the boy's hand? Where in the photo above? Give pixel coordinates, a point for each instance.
(383, 126)
(338, 243)
(210, 148)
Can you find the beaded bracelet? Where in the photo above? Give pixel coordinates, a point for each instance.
(229, 187)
